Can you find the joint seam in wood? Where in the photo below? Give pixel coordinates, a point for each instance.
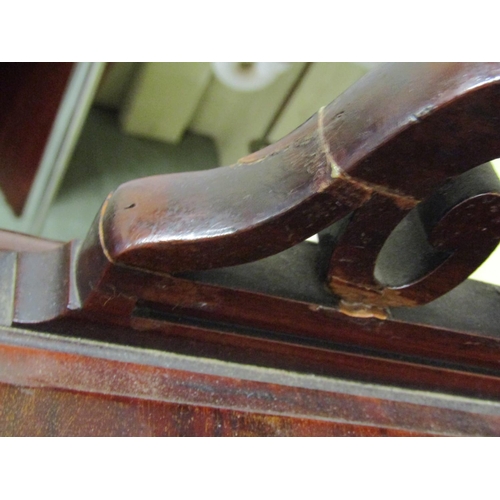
(336, 170)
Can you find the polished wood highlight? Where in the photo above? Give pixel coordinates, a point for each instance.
(193, 306)
(399, 147)
(70, 387)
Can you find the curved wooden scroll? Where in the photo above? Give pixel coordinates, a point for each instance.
(375, 154)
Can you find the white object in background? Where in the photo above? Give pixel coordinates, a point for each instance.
(248, 77)
(235, 119)
(162, 99)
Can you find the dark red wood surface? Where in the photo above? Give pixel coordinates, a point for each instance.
(29, 100)
(300, 336)
(400, 136)
(52, 389)
(144, 320)
(24, 412)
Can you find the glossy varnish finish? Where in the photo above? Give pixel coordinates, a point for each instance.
(234, 324)
(401, 135)
(65, 392)
(194, 308)
(24, 412)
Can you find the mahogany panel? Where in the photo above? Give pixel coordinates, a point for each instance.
(104, 389)
(48, 412)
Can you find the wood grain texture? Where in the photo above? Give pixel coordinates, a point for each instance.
(47, 412)
(191, 303)
(90, 389)
(224, 316)
(230, 323)
(401, 135)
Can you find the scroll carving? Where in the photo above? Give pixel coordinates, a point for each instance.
(393, 174)
(395, 156)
